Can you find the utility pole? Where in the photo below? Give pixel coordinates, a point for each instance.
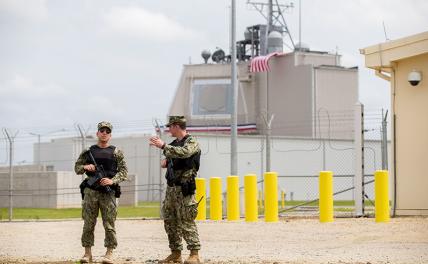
(359, 159)
(11, 140)
(158, 128)
(268, 140)
(234, 115)
(269, 24)
(300, 24)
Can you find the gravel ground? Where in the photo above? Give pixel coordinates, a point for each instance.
(296, 241)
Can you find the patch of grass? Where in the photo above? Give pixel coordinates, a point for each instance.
(144, 209)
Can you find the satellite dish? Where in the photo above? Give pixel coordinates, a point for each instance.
(206, 54)
(218, 56)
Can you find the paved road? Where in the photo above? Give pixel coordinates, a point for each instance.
(297, 241)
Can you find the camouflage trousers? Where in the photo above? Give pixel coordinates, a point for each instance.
(94, 202)
(179, 219)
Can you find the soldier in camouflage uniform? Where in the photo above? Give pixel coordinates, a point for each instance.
(179, 207)
(100, 198)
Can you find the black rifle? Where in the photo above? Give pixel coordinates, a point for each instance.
(188, 187)
(94, 181)
(170, 178)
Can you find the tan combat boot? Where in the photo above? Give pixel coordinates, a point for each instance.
(174, 257)
(108, 257)
(193, 257)
(87, 257)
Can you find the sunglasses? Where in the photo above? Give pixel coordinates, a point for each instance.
(102, 130)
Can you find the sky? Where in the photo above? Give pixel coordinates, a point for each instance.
(67, 62)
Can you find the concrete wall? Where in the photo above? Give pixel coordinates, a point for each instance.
(41, 189)
(298, 159)
(411, 133)
(336, 93)
(316, 58)
(289, 91)
(290, 98)
(51, 189)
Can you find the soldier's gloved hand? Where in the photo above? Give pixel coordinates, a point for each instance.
(89, 167)
(106, 181)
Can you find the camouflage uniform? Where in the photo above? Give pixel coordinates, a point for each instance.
(180, 212)
(95, 201)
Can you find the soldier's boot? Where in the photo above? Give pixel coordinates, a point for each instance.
(174, 257)
(193, 257)
(108, 257)
(87, 257)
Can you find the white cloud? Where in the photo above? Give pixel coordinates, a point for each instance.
(23, 87)
(31, 10)
(139, 22)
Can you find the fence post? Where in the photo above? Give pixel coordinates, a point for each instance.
(326, 196)
(282, 199)
(359, 159)
(216, 208)
(11, 139)
(250, 189)
(381, 196)
(260, 198)
(271, 197)
(384, 141)
(201, 198)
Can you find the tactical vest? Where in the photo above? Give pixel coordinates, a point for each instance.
(104, 157)
(192, 162)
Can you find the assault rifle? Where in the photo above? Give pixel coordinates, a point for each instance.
(170, 178)
(94, 181)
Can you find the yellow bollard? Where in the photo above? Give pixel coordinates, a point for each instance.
(271, 197)
(201, 193)
(232, 198)
(216, 208)
(250, 189)
(381, 196)
(282, 199)
(326, 196)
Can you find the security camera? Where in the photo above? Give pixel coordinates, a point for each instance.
(414, 77)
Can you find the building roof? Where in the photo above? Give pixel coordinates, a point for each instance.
(381, 56)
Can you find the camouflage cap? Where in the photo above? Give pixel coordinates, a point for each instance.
(176, 120)
(105, 124)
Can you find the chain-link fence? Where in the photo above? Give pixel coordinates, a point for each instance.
(298, 160)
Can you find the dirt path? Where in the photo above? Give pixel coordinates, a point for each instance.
(403, 240)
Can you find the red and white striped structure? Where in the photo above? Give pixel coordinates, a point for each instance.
(242, 128)
(261, 63)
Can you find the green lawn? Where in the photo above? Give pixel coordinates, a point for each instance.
(144, 209)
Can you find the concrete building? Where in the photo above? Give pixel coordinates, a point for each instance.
(297, 160)
(42, 187)
(404, 63)
(299, 85)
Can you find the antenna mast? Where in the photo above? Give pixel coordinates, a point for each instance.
(274, 17)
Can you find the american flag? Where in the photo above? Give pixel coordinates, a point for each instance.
(260, 63)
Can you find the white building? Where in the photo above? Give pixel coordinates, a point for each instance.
(297, 161)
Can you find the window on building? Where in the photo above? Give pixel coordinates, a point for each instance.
(211, 97)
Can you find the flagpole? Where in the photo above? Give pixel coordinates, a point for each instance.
(234, 115)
